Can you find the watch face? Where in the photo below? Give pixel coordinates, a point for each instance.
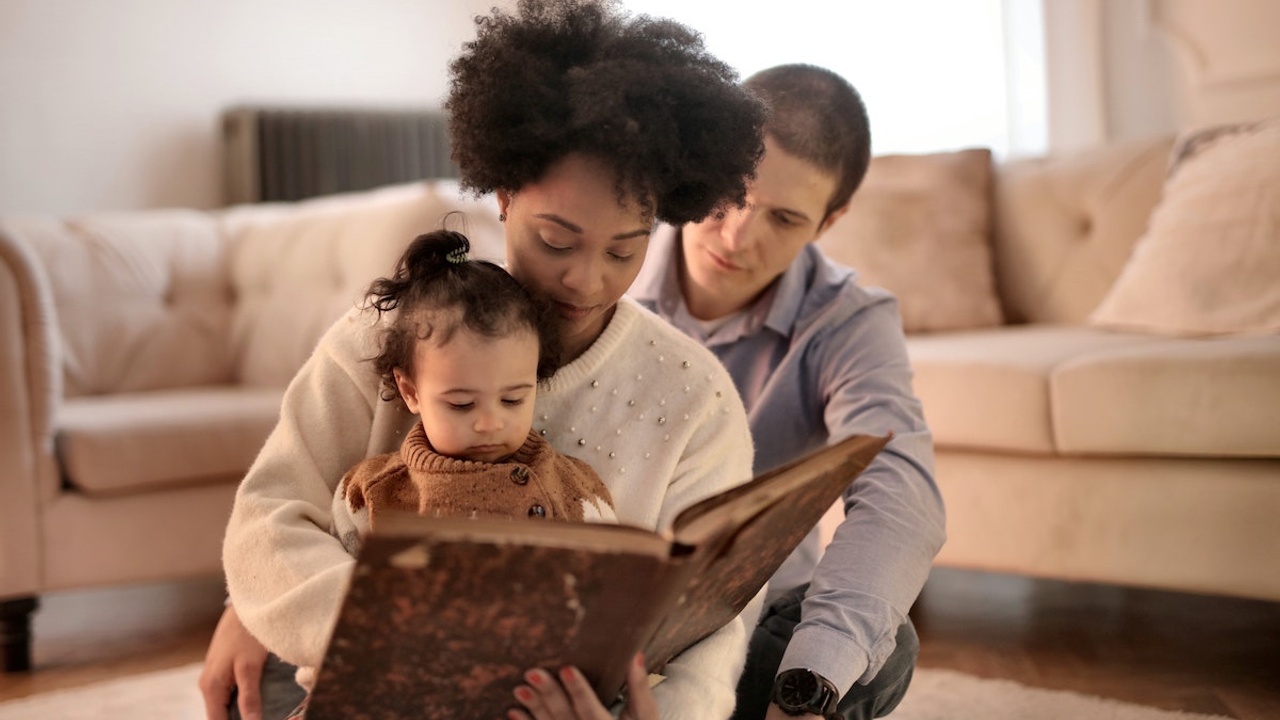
(799, 690)
(803, 692)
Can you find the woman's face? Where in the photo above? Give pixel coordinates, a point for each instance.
(569, 239)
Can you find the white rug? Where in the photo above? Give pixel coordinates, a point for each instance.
(934, 695)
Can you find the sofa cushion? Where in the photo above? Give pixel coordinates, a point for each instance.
(130, 442)
(142, 298)
(1065, 226)
(990, 389)
(297, 267)
(920, 226)
(1172, 396)
(1210, 261)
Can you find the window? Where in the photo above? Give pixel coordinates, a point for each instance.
(935, 74)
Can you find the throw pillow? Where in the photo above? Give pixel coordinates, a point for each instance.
(920, 227)
(1209, 262)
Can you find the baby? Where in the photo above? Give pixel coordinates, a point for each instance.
(464, 347)
(464, 350)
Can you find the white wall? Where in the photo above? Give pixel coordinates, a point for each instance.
(928, 86)
(114, 105)
(1121, 69)
(1229, 58)
(1110, 73)
(1141, 71)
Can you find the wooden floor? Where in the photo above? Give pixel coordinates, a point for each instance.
(1174, 651)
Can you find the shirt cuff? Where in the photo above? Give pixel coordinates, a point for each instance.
(830, 654)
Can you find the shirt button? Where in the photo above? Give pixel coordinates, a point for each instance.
(519, 475)
(537, 511)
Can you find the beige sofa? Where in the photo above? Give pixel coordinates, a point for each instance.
(1069, 450)
(143, 356)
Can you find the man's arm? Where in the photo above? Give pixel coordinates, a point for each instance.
(876, 564)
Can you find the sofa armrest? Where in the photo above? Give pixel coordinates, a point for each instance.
(30, 385)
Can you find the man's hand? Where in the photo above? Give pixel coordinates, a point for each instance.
(234, 662)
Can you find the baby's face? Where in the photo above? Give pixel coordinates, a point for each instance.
(475, 394)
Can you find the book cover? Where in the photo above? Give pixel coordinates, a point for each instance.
(443, 616)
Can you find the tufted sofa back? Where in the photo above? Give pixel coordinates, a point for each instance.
(137, 301)
(297, 267)
(162, 299)
(1065, 227)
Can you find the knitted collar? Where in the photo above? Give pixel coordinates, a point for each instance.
(418, 454)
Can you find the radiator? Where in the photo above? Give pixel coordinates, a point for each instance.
(272, 153)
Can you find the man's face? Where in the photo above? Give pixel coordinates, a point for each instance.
(728, 262)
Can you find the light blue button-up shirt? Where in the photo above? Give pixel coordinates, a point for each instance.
(818, 358)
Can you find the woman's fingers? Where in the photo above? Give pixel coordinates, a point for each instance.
(233, 661)
(641, 705)
(216, 691)
(248, 684)
(581, 696)
(545, 697)
(542, 697)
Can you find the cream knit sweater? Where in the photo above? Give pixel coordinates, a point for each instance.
(651, 410)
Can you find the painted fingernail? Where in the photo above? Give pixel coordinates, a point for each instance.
(524, 694)
(568, 674)
(536, 678)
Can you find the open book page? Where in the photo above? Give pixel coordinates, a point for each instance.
(738, 539)
(698, 523)
(443, 616)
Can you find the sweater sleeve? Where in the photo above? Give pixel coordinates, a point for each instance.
(286, 573)
(352, 514)
(701, 682)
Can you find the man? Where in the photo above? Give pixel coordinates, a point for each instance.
(816, 358)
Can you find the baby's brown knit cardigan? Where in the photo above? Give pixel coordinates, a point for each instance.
(536, 481)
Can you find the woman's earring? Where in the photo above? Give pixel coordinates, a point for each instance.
(502, 217)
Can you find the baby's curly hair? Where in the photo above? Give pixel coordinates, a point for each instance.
(437, 291)
(582, 76)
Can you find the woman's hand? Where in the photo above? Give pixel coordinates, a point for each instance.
(571, 698)
(234, 662)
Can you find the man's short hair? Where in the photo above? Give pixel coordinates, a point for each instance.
(819, 117)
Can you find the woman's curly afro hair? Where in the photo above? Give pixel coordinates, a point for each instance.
(581, 76)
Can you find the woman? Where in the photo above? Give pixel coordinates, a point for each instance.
(589, 126)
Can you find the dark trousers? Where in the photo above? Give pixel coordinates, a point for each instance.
(861, 702)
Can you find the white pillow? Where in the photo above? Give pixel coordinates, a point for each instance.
(1209, 263)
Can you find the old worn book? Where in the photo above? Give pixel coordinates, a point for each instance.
(443, 616)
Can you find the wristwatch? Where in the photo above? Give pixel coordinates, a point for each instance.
(800, 691)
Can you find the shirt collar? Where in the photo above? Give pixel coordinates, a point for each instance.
(657, 284)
